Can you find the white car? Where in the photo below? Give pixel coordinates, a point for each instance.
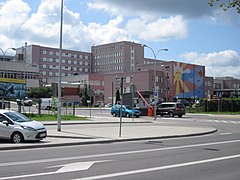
(26, 102)
(18, 128)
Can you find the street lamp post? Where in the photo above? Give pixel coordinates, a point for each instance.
(60, 73)
(155, 78)
(4, 58)
(132, 96)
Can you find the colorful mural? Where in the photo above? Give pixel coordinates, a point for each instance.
(188, 80)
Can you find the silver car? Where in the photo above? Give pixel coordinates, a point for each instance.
(18, 128)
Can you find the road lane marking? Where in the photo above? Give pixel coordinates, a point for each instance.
(159, 168)
(224, 133)
(235, 122)
(113, 154)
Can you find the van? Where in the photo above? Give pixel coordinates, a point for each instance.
(48, 103)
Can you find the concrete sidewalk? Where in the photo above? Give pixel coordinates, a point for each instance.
(106, 130)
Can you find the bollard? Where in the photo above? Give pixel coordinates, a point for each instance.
(39, 106)
(73, 108)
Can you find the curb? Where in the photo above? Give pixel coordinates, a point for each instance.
(103, 141)
(104, 122)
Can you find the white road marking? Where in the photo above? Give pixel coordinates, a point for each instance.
(79, 166)
(202, 120)
(114, 154)
(224, 133)
(159, 168)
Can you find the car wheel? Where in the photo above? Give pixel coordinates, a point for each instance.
(171, 114)
(128, 115)
(137, 116)
(180, 115)
(114, 114)
(17, 137)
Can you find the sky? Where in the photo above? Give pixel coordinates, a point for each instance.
(193, 31)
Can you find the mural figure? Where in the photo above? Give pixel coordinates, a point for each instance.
(188, 81)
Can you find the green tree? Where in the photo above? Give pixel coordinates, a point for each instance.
(84, 95)
(226, 5)
(117, 96)
(40, 92)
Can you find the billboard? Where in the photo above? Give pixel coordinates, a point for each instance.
(12, 88)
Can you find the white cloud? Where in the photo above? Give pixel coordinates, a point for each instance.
(158, 29)
(42, 27)
(13, 14)
(223, 63)
(109, 32)
(144, 20)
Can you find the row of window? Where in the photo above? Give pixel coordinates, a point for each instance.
(109, 48)
(107, 62)
(64, 61)
(106, 56)
(83, 81)
(55, 74)
(108, 69)
(128, 90)
(208, 83)
(236, 86)
(51, 66)
(56, 53)
(73, 69)
(19, 75)
(219, 86)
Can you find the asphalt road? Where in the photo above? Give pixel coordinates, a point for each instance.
(211, 157)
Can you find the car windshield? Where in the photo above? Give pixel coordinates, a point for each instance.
(127, 107)
(17, 117)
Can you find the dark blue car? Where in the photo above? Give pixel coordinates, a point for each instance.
(126, 111)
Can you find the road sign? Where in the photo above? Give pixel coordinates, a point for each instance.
(169, 94)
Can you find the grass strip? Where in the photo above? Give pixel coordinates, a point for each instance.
(53, 117)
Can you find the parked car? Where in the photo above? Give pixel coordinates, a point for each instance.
(18, 128)
(108, 105)
(126, 111)
(184, 102)
(171, 108)
(25, 102)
